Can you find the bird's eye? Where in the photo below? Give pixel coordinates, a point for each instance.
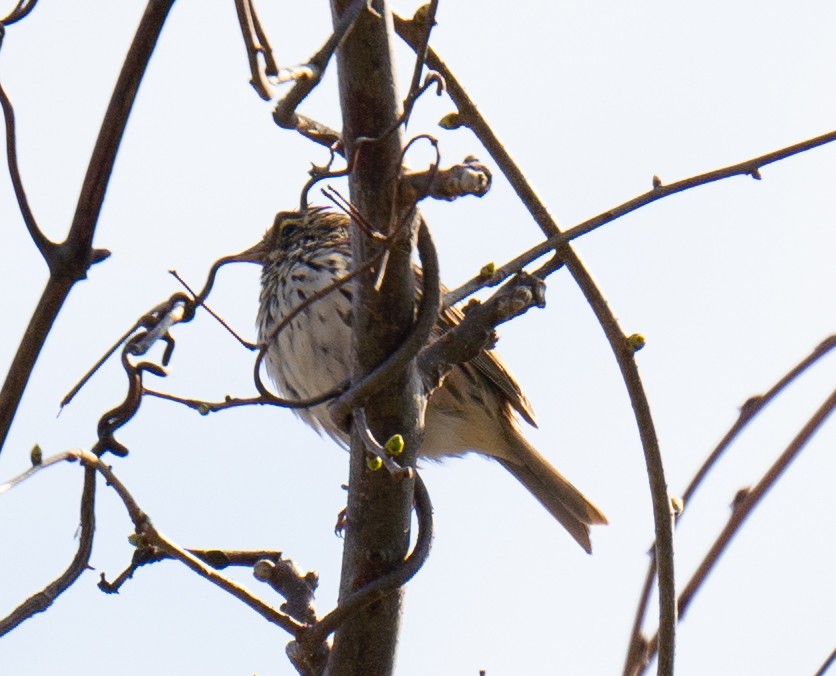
(289, 229)
(286, 227)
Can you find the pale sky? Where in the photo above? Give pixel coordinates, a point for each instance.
(731, 284)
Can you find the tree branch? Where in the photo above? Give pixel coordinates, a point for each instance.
(39, 602)
(637, 653)
(45, 246)
(745, 505)
(470, 115)
(256, 43)
(69, 261)
(379, 508)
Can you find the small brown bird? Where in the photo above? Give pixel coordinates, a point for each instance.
(474, 409)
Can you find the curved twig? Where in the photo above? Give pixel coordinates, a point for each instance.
(623, 352)
(45, 246)
(320, 174)
(39, 602)
(341, 408)
(382, 586)
(20, 11)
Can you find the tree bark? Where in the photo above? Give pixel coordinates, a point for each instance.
(379, 506)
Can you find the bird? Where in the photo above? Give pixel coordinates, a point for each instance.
(475, 409)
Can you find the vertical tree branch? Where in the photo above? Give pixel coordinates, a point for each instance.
(378, 514)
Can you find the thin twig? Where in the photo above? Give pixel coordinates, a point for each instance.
(46, 597)
(829, 662)
(202, 303)
(377, 449)
(20, 11)
(636, 654)
(153, 537)
(284, 113)
(255, 42)
(92, 370)
(746, 168)
(206, 407)
(746, 505)
(45, 246)
(427, 16)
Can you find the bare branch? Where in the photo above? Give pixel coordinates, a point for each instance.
(287, 579)
(470, 177)
(256, 44)
(383, 312)
(745, 505)
(207, 407)
(151, 536)
(146, 554)
(747, 167)
(39, 602)
(20, 11)
(471, 116)
(424, 15)
(100, 168)
(829, 662)
(45, 246)
(637, 652)
(467, 339)
(70, 261)
(308, 78)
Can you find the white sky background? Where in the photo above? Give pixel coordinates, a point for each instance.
(731, 284)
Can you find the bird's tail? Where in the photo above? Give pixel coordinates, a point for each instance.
(554, 491)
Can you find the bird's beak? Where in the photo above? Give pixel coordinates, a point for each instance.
(255, 254)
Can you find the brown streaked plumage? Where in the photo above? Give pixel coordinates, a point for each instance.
(475, 409)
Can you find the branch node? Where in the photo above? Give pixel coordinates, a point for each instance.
(287, 579)
(469, 177)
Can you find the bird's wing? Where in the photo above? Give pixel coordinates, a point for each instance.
(492, 368)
